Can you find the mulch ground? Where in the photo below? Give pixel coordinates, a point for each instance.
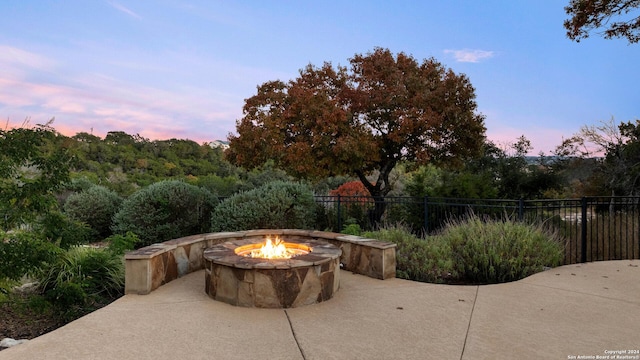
(18, 320)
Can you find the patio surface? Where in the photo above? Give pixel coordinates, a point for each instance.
(577, 310)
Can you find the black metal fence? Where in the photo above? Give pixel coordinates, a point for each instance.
(594, 228)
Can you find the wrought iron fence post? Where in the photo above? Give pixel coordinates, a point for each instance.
(520, 209)
(583, 235)
(339, 215)
(426, 215)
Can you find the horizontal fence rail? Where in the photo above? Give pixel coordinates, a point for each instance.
(593, 228)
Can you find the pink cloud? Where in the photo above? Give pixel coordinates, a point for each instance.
(108, 105)
(17, 61)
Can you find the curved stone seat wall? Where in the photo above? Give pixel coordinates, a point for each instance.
(150, 267)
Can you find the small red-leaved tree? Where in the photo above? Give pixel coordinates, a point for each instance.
(354, 190)
(354, 201)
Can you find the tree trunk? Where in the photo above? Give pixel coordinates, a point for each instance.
(375, 214)
(378, 193)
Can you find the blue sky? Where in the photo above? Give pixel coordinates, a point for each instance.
(182, 68)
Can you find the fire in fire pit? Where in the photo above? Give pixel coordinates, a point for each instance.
(306, 272)
(276, 249)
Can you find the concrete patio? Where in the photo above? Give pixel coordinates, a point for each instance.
(578, 310)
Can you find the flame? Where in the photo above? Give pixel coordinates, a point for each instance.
(275, 249)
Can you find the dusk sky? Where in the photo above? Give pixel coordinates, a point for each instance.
(182, 69)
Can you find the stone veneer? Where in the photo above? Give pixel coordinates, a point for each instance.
(272, 283)
(150, 267)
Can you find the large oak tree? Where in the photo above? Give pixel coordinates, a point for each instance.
(619, 18)
(360, 120)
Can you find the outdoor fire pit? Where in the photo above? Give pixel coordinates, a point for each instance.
(272, 272)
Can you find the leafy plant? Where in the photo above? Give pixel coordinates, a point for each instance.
(274, 205)
(165, 210)
(223, 186)
(352, 229)
(34, 163)
(496, 251)
(58, 228)
(474, 251)
(84, 273)
(119, 244)
(426, 260)
(24, 253)
(355, 202)
(352, 188)
(68, 298)
(83, 279)
(96, 207)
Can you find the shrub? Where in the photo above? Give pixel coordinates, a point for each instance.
(222, 186)
(165, 210)
(277, 204)
(497, 251)
(34, 164)
(82, 183)
(96, 207)
(119, 244)
(355, 202)
(263, 175)
(352, 229)
(24, 253)
(68, 297)
(474, 251)
(77, 184)
(82, 279)
(64, 231)
(418, 259)
(351, 188)
(98, 272)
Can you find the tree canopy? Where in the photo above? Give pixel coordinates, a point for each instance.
(587, 15)
(34, 163)
(360, 120)
(619, 171)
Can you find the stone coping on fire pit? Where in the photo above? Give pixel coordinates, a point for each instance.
(225, 254)
(149, 267)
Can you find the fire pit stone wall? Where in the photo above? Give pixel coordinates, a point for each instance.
(304, 279)
(150, 267)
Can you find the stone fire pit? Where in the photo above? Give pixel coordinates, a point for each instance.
(152, 266)
(304, 279)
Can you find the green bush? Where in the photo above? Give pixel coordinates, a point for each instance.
(34, 164)
(96, 207)
(274, 205)
(81, 183)
(119, 244)
(24, 253)
(222, 186)
(416, 258)
(83, 279)
(352, 229)
(263, 175)
(474, 251)
(97, 272)
(165, 210)
(58, 228)
(68, 298)
(495, 251)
